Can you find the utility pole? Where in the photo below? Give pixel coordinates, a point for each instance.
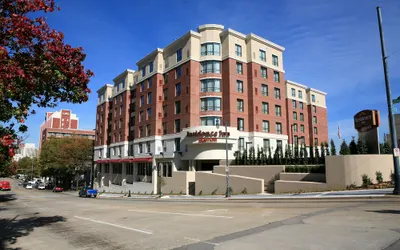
(228, 191)
(390, 108)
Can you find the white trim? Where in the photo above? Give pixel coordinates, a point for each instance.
(316, 91)
(264, 41)
(296, 84)
(210, 27)
(212, 96)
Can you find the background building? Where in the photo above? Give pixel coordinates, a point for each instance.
(174, 108)
(60, 124)
(25, 150)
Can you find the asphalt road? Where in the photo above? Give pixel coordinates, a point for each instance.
(33, 219)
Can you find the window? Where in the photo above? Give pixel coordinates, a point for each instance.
(210, 85)
(148, 130)
(315, 130)
(239, 86)
(151, 67)
(107, 169)
(300, 94)
(316, 141)
(178, 72)
(266, 144)
(295, 127)
(120, 136)
(177, 89)
(179, 55)
(120, 123)
(276, 76)
(141, 116)
(279, 128)
(143, 71)
(265, 126)
(210, 49)
(278, 110)
(277, 93)
(177, 126)
(165, 94)
(140, 148)
(240, 105)
(164, 128)
(150, 82)
(302, 117)
(210, 121)
(296, 140)
(240, 124)
(302, 128)
(164, 108)
(238, 50)
(275, 60)
(149, 113)
(294, 104)
(241, 144)
(129, 169)
(177, 144)
(313, 98)
(264, 89)
(141, 86)
(141, 100)
(177, 107)
(314, 109)
(263, 72)
(149, 98)
(293, 92)
(263, 56)
(295, 116)
(148, 146)
(141, 133)
(210, 103)
(239, 68)
(265, 107)
(301, 105)
(314, 119)
(210, 67)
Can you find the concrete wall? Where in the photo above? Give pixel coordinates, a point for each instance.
(344, 170)
(178, 183)
(299, 186)
(302, 177)
(268, 173)
(207, 183)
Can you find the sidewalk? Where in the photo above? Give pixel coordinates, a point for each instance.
(354, 194)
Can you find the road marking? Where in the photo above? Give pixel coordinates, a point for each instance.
(217, 210)
(114, 225)
(195, 215)
(197, 240)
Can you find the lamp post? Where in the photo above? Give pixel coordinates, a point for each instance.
(291, 129)
(390, 109)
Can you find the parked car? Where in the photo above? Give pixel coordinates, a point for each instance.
(88, 192)
(41, 186)
(28, 186)
(58, 189)
(5, 186)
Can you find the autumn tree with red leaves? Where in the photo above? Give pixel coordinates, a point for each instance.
(37, 69)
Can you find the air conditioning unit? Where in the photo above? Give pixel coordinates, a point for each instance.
(160, 82)
(159, 115)
(160, 98)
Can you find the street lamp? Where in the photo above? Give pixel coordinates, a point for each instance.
(291, 129)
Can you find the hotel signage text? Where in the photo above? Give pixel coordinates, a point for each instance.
(366, 120)
(208, 136)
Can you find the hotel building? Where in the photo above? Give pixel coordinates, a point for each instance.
(177, 110)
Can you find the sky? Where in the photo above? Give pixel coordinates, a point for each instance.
(330, 45)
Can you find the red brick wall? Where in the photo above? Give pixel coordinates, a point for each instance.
(74, 124)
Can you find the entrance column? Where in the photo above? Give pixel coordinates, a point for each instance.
(154, 174)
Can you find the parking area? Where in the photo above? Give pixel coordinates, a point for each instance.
(41, 219)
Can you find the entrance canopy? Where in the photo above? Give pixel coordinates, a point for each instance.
(126, 160)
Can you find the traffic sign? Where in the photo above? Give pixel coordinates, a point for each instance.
(396, 152)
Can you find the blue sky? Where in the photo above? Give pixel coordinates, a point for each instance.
(330, 45)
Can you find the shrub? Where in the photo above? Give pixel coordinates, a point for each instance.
(379, 177)
(201, 192)
(244, 191)
(215, 191)
(180, 192)
(230, 190)
(392, 177)
(366, 181)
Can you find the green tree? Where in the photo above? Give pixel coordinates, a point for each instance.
(361, 147)
(385, 147)
(258, 160)
(296, 156)
(237, 157)
(37, 69)
(290, 155)
(333, 147)
(305, 159)
(301, 160)
(322, 155)
(311, 160)
(344, 149)
(316, 154)
(287, 159)
(326, 149)
(270, 160)
(353, 147)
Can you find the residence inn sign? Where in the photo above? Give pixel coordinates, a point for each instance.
(366, 120)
